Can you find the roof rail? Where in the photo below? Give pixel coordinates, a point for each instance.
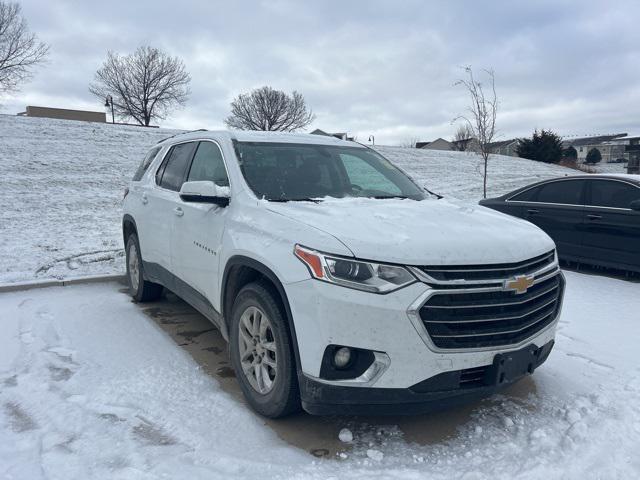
(183, 133)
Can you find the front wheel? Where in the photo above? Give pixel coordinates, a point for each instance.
(261, 352)
(140, 289)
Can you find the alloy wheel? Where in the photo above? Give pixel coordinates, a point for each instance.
(257, 349)
(134, 267)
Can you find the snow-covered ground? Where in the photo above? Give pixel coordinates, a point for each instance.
(609, 167)
(61, 187)
(90, 387)
(62, 184)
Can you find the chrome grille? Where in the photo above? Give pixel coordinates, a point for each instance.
(467, 314)
(490, 272)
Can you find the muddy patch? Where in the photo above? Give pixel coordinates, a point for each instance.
(11, 381)
(319, 452)
(190, 335)
(225, 372)
(152, 434)
(213, 349)
(60, 374)
(111, 417)
(19, 420)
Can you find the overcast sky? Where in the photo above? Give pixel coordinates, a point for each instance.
(383, 68)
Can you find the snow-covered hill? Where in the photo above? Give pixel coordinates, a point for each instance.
(60, 190)
(62, 184)
(459, 174)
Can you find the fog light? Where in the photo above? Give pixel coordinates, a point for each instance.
(342, 357)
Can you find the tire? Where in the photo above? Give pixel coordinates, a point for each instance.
(140, 289)
(278, 394)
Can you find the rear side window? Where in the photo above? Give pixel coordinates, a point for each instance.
(526, 196)
(208, 165)
(612, 194)
(567, 192)
(145, 163)
(173, 169)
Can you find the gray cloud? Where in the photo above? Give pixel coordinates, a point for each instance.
(383, 68)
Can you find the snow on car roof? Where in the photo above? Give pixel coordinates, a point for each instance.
(257, 136)
(285, 137)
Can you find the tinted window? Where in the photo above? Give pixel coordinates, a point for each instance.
(526, 196)
(176, 165)
(208, 165)
(145, 163)
(161, 168)
(609, 193)
(568, 192)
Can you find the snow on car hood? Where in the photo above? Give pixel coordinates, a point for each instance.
(428, 232)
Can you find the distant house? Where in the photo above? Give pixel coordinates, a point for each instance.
(506, 147)
(608, 145)
(466, 145)
(438, 144)
(631, 144)
(340, 135)
(64, 114)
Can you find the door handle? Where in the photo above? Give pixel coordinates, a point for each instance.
(594, 217)
(532, 211)
(178, 211)
(144, 199)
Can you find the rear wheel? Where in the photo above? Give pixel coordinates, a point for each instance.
(261, 352)
(140, 289)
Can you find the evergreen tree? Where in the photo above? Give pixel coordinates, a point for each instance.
(570, 153)
(593, 156)
(544, 146)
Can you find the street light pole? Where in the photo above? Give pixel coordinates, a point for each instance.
(109, 103)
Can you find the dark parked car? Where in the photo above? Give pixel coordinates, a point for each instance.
(593, 219)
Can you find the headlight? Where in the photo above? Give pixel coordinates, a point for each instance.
(367, 276)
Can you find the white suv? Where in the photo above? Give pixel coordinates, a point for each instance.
(340, 284)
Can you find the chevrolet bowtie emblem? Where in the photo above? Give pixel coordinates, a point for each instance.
(519, 284)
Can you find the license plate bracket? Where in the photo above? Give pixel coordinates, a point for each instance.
(510, 366)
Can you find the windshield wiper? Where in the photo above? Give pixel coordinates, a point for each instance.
(284, 200)
(385, 197)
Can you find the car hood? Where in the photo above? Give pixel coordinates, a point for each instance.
(427, 232)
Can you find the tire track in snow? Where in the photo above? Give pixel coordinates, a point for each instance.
(83, 259)
(589, 360)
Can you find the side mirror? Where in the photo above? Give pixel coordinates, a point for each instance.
(205, 191)
(635, 205)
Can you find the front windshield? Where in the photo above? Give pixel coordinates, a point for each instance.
(289, 172)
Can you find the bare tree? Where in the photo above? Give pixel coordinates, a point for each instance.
(462, 140)
(20, 49)
(409, 142)
(481, 117)
(271, 110)
(144, 85)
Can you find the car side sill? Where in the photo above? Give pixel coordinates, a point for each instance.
(158, 274)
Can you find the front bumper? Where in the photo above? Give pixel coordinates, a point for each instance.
(326, 314)
(436, 393)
